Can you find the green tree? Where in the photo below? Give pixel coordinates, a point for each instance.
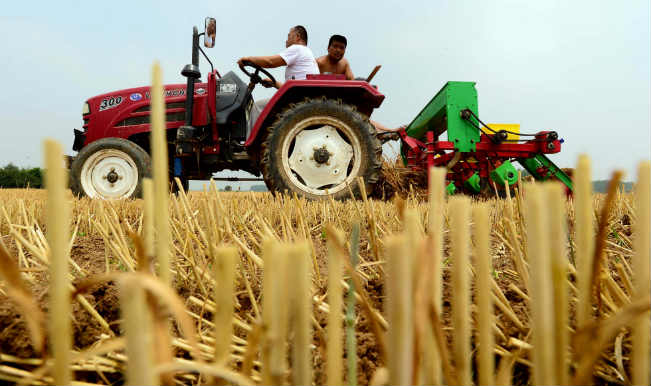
(12, 176)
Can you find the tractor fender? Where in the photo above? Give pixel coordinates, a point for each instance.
(360, 94)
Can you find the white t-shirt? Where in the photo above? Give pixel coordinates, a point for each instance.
(300, 62)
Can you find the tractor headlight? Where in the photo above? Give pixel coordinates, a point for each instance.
(86, 109)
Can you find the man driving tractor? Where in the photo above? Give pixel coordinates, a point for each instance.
(298, 58)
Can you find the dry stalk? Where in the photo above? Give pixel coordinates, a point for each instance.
(399, 311)
(431, 355)
(602, 233)
(370, 213)
(253, 341)
(486, 320)
(301, 312)
(58, 223)
(538, 241)
(274, 310)
(423, 336)
(640, 358)
(161, 175)
(225, 265)
(584, 232)
(461, 316)
(334, 361)
(518, 258)
(148, 215)
(555, 198)
(137, 329)
(351, 318)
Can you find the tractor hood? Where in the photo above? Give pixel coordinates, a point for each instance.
(139, 95)
(124, 113)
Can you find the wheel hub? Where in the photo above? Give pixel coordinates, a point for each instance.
(112, 176)
(320, 157)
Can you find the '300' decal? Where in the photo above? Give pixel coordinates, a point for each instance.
(109, 103)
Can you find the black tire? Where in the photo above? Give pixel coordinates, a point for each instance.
(83, 183)
(352, 126)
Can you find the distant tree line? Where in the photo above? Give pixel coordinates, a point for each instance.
(11, 176)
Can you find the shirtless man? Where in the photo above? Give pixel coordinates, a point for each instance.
(335, 63)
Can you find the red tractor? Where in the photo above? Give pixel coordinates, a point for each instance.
(313, 137)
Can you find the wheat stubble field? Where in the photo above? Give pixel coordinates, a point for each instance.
(250, 288)
(531, 289)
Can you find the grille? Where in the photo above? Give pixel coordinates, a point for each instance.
(170, 117)
(174, 105)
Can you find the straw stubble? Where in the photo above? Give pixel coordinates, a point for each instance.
(301, 311)
(584, 238)
(137, 327)
(542, 310)
(640, 357)
(431, 355)
(225, 264)
(334, 362)
(555, 199)
(161, 176)
(460, 241)
(58, 227)
(399, 311)
(274, 312)
(148, 215)
(485, 320)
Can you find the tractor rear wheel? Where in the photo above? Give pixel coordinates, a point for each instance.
(110, 168)
(319, 147)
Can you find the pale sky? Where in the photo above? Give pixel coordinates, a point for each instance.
(581, 68)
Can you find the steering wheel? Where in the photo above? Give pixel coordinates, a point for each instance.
(255, 78)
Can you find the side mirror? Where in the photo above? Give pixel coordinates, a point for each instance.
(210, 32)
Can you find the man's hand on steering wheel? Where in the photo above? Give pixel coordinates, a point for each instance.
(255, 78)
(268, 83)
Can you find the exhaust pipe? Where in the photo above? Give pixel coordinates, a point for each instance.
(191, 71)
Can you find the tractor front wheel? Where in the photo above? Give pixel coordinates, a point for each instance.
(319, 147)
(110, 168)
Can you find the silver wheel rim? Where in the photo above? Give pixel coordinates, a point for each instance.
(308, 143)
(109, 174)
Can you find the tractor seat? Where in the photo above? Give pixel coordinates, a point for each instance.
(254, 113)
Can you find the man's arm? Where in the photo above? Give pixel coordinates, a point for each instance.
(319, 62)
(272, 61)
(348, 71)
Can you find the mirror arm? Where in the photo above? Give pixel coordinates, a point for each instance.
(205, 56)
